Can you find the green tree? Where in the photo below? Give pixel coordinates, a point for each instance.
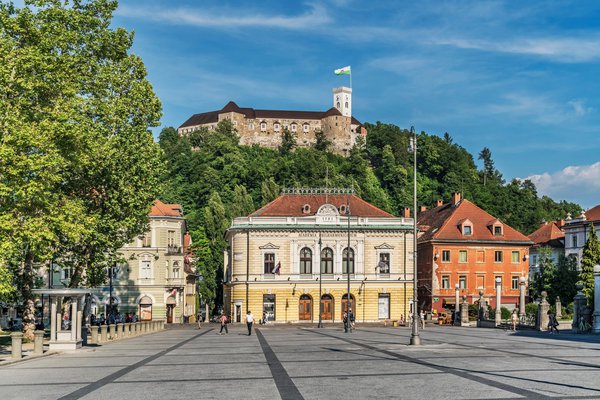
(565, 279)
(590, 258)
(288, 142)
(545, 278)
(269, 190)
(78, 166)
(321, 141)
(242, 204)
(204, 263)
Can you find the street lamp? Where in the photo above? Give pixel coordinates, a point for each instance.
(348, 298)
(415, 340)
(320, 325)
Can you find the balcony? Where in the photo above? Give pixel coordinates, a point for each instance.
(174, 250)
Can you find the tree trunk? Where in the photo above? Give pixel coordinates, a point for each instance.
(28, 303)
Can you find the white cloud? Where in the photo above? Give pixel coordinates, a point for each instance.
(579, 107)
(566, 50)
(579, 183)
(315, 16)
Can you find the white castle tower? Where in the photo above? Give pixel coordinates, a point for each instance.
(342, 100)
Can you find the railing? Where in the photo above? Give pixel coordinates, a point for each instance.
(173, 249)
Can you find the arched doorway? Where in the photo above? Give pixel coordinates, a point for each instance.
(305, 308)
(345, 304)
(171, 303)
(327, 307)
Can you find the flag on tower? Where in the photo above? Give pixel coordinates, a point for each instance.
(343, 71)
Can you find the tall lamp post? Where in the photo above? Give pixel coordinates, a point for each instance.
(348, 298)
(320, 325)
(415, 339)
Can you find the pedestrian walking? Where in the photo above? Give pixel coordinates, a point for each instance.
(552, 322)
(514, 318)
(199, 319)
(422, 316)
(249, 321)
(223, 320)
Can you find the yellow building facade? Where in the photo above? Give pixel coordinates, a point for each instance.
(289, 254)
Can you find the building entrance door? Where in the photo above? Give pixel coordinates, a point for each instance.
(326, 307)
(345, 305)
(305, 308)
(170, 308)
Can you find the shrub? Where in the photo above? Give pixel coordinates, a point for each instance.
(504, 313)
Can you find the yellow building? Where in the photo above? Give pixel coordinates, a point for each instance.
(284, 257)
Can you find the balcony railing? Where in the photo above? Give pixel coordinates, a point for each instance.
(173, 249)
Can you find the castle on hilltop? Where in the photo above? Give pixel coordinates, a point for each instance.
(265, 127)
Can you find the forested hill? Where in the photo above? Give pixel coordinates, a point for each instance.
(216, 180)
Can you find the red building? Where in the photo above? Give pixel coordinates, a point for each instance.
(463, 245)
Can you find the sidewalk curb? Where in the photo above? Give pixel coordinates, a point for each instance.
(28, 358)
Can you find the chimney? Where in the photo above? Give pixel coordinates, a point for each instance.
(560, 223)
(455, 198)
(406, 212)
(439, 203)
(423, 208)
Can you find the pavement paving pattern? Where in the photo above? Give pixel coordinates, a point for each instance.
(292, 362)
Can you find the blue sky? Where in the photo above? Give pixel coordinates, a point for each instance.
(518, 77)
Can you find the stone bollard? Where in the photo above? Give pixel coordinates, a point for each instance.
(113, 331)
(135, 328)
(464, 312)
(122, 331)
(94, 332)
(542, 317)
(498, 316)
(127, 329)
(38, 343)
(558, 307)
(579, 305)
(17, 345)
(118, 331)
(104, 333)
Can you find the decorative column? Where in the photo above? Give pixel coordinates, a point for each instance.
(53, 321)
(94, 331)
(78, 324)
(456, 304)
(596, 319)
(523, 281)
(542, 320)
(558, 307)
(480, 313)
(74, 320)
(464, 312)
(578, 307)
(104, 333)
(498, 300)
(17, 345)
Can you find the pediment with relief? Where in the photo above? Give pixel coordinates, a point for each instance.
(384, 246)
(328, 210)
(269, 246)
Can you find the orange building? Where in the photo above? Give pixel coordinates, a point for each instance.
(463, 245)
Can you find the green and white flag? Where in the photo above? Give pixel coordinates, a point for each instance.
(343, 71)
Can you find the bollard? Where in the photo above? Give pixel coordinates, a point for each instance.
(122, 331)
(127, 329)
(17, 345)
(94, 331)
(104, 333)
(464, 312)
(117, 331)
(38, 344)
(135, 328)
(113, 334)
(542, 317)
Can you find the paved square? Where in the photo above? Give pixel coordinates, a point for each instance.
(294, 362)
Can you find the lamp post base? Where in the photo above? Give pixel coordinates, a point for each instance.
(415, 340)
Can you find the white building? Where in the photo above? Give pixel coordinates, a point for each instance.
(577, 232)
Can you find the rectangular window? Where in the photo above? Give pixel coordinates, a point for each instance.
(462, 256)
(384, 306)
(480, 256)
(514, 257)
(293, 126)
(445, 282)
(305, 127)
(480, 281)
(145, 270)
(250, 125)
(498, 256)
(445, 255)
(467, 230)
(462, 282)
(497, 231)
(269, 263)
(170, 238)
(384, 263)
(574, 241)
(269, 307)
(514, 282)
(147, 240)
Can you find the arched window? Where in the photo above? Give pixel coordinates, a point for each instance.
(306, 261)
(347, 261)
(327, 261)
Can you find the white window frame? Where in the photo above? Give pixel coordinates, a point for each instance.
(146, 260)
(466, 253)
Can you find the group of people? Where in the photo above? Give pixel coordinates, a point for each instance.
(224, 321)
(113, 318)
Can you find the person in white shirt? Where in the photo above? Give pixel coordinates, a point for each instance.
(249, 322)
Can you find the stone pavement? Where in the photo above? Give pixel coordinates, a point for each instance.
(293, 362)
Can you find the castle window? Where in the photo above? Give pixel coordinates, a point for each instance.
(276, 127)
(250, 125)
(305, 127)
(293, 127)
(346, 104)
(263, 126)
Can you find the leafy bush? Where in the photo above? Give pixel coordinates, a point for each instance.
(531, 309)
(505, 313)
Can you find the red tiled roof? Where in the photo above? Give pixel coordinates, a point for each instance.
(161, 209)
(593, 214)
(290, 205)
(546, 233)
(443, 224)
(213, 116)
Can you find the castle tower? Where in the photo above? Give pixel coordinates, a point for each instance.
(342, 100)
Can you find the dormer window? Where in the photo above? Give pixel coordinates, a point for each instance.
(498, 230)
(496, 227)
(343, 209)
(306, 209)
(467, 230)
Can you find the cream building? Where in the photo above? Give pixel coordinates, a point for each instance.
(264, 127)
(278, 256)
(158, 280)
